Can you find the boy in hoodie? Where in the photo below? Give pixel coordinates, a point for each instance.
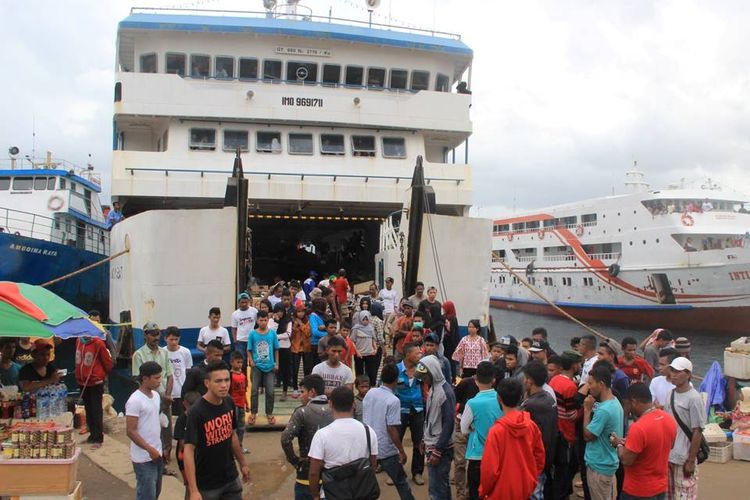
(513, 454)
(437, 443)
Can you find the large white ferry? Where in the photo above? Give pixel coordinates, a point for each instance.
(329, 116)
(673, 258)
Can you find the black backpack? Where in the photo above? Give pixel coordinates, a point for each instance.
(353, 481)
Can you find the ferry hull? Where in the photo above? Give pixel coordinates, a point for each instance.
(33, 261)
(714, 319)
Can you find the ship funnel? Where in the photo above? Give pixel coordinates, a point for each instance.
(635, 181)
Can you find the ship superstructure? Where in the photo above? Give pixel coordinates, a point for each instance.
(672, 258)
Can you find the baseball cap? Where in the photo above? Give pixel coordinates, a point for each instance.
(151, 327)
(507, 340)
(40, 345)
(243, 295)
(432, 338)
(572, 355)
(539, 346)
(421, 371)
(681, 364)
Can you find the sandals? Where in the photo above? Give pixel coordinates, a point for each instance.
(271, 419)
(251, 419)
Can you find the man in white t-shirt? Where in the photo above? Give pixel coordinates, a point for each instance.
(181, 360)
(340, 442)
(214, 331)
(389, 296)
(332, 370)
(587, 349)
(661, 387)
(144, 430)
(243, 322)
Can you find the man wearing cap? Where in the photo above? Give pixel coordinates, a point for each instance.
(686, 406)
(41, 372)
(430, 347)
(243, 322)
(150, 351)
(143, 428)
(437, 443)
(682, 344)
(309, 284)
(538, 350)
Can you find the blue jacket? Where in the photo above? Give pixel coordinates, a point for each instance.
(410, 395)
(485, 410)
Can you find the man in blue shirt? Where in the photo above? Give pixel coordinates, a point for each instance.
(382, 412)
(600, 457)
(479, 415)
(114, 216)
(409, 392)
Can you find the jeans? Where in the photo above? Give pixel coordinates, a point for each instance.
(392, 466)
(147, 480)
(230, 491)
(302, 492)
(538, 493)
(267, 380)
(439, 485)
(241, 347)
(241, 425)
(414, 421)
(285, 368)
(92, 401)
(473, 478)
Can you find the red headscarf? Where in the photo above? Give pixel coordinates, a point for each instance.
(449, 308)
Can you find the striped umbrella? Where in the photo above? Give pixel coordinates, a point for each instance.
(33, 311)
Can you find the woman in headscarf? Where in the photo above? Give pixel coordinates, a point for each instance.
(364, 305)
(363, 336)
(450, 334)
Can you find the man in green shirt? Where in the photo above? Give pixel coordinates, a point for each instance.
(150, 351)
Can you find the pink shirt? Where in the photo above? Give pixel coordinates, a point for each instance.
(470, 352)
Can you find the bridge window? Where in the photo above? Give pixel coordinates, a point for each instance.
(148, 63)
(4, 183)
(420, 80)
(375, 78)
(300, 144)
(399, 78)
(301, 72)
(394, 147)
(268, 142)
(354, 75)
(234, 139)
(332, 144)
(23, 183)
(443, 83)
(331, 74)
(176, 64)
(202, 139)
(248, 68)
(51, 183)
(363, 145)
(588, 218)
(40, 183)
(224, 67)
(271, 70)
(199, 65)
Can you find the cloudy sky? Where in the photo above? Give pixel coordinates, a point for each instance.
(567, 94)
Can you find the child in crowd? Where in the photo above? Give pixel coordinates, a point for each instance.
(263, 358)
(496, 352)
(179, 434)
(285, 346)
(351, 349)
(330, 325)
(526, 342)
(238, 391)
(361, 385)
(471, 350)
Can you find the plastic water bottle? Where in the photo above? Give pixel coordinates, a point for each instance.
(42, 404)
(62, 399)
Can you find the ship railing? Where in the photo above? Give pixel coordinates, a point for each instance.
(559, 258)
(307, 16)
(604, 256)
(526, 258)
(27, 224)
(389, 239)
(302, 176)
(496, 257)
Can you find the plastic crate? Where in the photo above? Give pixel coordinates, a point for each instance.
(720, 453)
(741, 445)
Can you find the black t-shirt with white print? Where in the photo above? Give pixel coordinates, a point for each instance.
(210, 428)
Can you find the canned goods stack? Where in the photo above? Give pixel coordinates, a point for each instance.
(39, 441)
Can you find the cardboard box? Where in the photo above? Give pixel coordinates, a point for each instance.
(76, 494)
(38, 477)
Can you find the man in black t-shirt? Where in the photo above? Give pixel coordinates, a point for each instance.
(211, 441)
(40, 372)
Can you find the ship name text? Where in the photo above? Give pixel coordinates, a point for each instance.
(28, 249)
(739, 275)
(308, 102)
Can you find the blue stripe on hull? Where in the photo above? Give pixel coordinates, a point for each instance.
(33, 261)
(619, 307)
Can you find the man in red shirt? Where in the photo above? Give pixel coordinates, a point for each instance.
(341, 286)
(513, 452)
(568, 413)
(635, 367)
(645, 452)
(92, 365)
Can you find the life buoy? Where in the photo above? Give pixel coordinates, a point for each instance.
(55, 203)
(687, 220)
(541, 234)
(614, 270)
(579, 230)
(510, 236)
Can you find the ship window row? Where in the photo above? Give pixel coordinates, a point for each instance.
(28, 183)
(664, 207)
(298, 72)
(205, 139)
(547, 281)
(570, 222)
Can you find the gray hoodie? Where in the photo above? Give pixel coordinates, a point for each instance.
(440, 407)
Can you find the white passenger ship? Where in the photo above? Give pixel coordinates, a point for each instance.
(675, 258)
(329, 115)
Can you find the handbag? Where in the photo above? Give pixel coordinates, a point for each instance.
(704, 450)
(352, 481)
